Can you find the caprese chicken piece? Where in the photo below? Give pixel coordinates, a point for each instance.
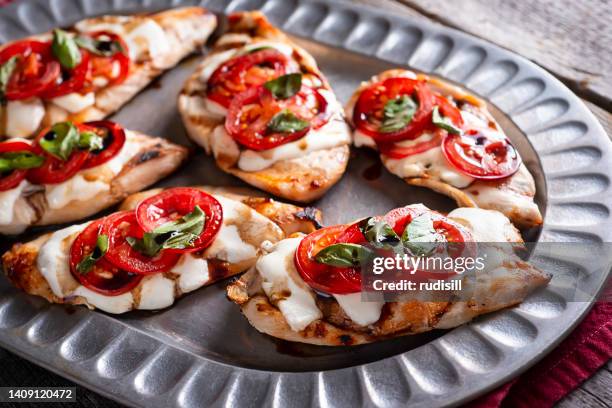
(73, 170)
(168, 243)
(436, 135)
(311, 288)
(260, 105)
(90, 70)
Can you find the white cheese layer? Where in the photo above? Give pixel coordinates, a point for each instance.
(23, 117)
(281, 280)
(192, 271)
(110, 304)
(8, 199)
(156, 292)
(359, 311)
(75, 102)
(486, 225)
(361, 139)
(334, 133)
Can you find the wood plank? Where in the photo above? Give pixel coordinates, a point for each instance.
(594, 392)
(572, 39)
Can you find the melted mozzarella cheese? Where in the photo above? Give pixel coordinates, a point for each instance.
(192, 271)
(74, 189)
(431, 162)
(358, 310)
(156, 292)
(23, 117)
(228, 244)
(130, 148)
(486, 225)
(361, 139)
(147, 37)
(281, 280)
(75, 102)
(334, 133)
(283, 48)
(110, 304)
(53, 260)
(213, 61)
(8, 199)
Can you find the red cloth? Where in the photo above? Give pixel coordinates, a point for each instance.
(578, 357)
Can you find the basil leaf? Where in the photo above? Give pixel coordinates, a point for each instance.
(397, 114)
(99, 251)
(65, 139)
(284, 86)
(344, 255)
(91, 141)
(443, 122)
(65, 49)
(6, 71)
(106, 48)
(19, 161)
(179, 234)
(420, 236)
(257, 49)
(286, 121)
(378, 233)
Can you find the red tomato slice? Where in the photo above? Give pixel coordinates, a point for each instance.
(369, 109)
(118, 227)
(393, 151)
(478, 156)
(13, 178)
(104, 277)
(73, 80)
(323, 277)
(251, 111)
(245, 71)
(449, 110)
(36, 69)
(114, 68)
(114, 139)
(55, 170)
(176, 202)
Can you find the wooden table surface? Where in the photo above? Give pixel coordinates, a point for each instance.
(571, 39)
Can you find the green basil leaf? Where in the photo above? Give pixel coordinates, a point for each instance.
(285, 86)
(378, 233)
(99, 251)
(264, 47)
(286, 121)
(19, 161)
(6, 70)
(65, 49)
(65, 139)
(397, 114)
(443, 122)
(420, 236)
(104, 48)
(179, 234)
(344, 255)
(91, 141)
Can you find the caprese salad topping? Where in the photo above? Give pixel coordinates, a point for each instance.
(276, 112)
(112, 254)
(248, 70)
(330, 259)
(66, 64)
(59, 152)
(401, 109)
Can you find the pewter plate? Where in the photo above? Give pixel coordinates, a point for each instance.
(202, 352)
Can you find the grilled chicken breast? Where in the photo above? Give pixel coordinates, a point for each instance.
(41, 267)
(302, 170)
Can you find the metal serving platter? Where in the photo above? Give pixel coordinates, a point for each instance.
(202, 352)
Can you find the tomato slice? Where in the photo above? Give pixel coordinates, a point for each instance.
(114, 139)
(394, 151)
(322, 277)
(251, 112)
(118, 227)
(369, 109)
(36, 69)
(12, 179)
(114, 68)
(104, 277)
(479, 156)
(55, 170)
(245, 71)
(73, 80)
(176, 202)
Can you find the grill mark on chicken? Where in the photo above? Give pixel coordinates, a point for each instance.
(148, 155)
